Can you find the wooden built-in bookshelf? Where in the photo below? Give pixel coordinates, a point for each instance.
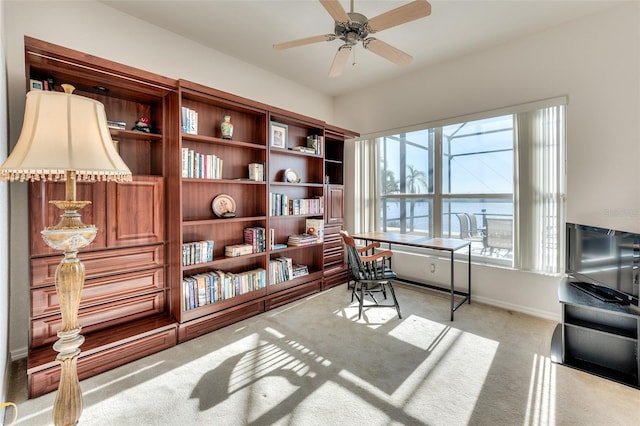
(133, 303)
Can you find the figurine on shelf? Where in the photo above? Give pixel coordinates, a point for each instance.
(142, 125)
(226, 127)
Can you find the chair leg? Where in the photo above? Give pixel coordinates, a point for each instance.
(362, 291)
(395, 301)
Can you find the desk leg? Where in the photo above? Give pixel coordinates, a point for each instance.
(452, 290)
(469, 275)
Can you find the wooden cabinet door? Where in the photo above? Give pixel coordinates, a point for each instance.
(334, 201)
(135, 213)
(42, 214)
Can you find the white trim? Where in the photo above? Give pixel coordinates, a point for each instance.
(514, 109)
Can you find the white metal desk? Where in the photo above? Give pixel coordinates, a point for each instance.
(450, 245)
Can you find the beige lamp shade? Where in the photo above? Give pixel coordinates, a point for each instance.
(64, 132)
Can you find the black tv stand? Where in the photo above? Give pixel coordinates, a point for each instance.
(602, 293)
(597, 336)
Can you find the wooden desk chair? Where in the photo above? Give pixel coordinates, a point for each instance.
(370, 274)
(361, 250)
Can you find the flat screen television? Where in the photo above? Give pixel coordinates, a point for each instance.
(604, 262)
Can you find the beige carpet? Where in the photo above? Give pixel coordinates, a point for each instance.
(313, 363)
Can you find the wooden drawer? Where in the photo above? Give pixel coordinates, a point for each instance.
(101, 352)
(330, 229)
(44, 330)
(204, 325)
(289, 295)
(333, 244)
(44, 300)
(100, 263)
(333, 258)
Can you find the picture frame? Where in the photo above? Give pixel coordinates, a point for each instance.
(36, 85)
(278, 134)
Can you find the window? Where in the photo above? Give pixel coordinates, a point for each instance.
(496, 180)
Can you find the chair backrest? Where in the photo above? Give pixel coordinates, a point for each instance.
(464, 225)
(473, 224)
(499, 233)
(359, 270)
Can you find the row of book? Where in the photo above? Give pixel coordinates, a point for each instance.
(189, 121)
(203, 289)
(256, 237)
(201, 166)
(283, 269)
(282, 205)
(197, 252)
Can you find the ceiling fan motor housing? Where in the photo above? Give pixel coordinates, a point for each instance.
(353, 31)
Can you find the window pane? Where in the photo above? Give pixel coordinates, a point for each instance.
(406, 163)
(477, 157)
(495, 240)
(406, 215)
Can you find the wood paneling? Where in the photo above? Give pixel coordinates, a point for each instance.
(135, 212)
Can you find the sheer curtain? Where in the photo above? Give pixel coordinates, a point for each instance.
(366, 185)
(540, 190)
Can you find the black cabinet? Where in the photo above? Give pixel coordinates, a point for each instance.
(598, 337)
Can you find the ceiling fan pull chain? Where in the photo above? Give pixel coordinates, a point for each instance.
(354, 56)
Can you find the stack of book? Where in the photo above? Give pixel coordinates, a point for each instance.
(300, 271)
(238, 250)
(118, 125)
(302, 240)
(304, 149)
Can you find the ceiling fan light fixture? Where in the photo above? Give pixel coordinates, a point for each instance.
(353, 27)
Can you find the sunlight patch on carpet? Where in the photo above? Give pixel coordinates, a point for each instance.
(421, 332)
(541, 408)
(451, 377)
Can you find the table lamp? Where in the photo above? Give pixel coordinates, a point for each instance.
(65, 137)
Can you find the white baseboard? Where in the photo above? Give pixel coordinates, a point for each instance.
(552, 316)
(19, 354)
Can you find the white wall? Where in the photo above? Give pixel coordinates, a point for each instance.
(596, 62)
(94, 28)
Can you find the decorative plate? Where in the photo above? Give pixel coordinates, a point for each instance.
(291, 176)
(224, 206)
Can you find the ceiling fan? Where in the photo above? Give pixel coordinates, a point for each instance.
(353, 27)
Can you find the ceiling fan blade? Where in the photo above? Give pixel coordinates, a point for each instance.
(387, 51)
(336, 10)
(340, 60)
(409, 12)
(303, 41)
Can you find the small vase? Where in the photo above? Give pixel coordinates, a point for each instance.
(226, 127)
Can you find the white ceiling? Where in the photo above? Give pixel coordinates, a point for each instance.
(247, 29)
